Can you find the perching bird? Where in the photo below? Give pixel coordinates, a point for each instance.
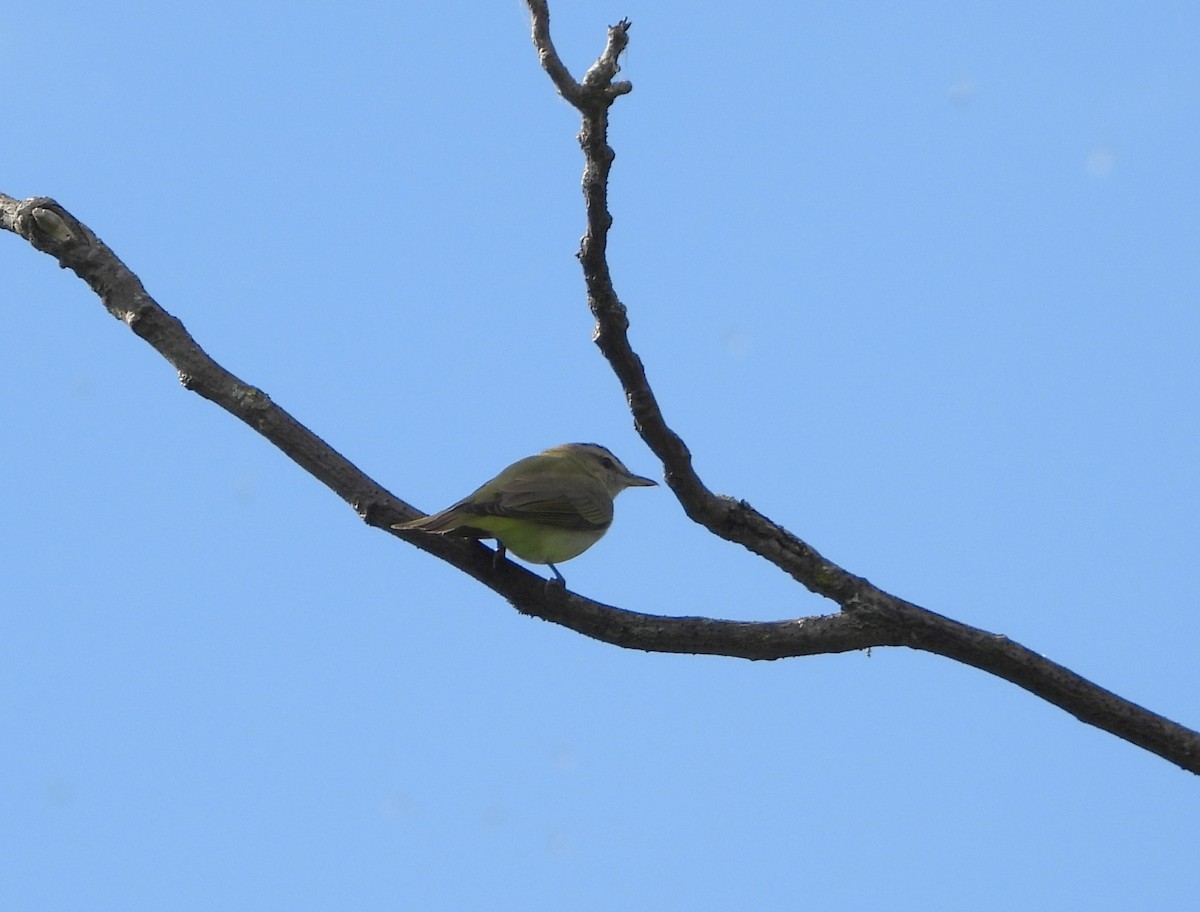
(545, 509)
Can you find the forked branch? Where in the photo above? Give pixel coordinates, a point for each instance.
(895, 621)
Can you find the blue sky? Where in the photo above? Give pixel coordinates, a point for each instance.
(917, 280)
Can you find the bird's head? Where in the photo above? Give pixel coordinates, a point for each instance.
(602, 465)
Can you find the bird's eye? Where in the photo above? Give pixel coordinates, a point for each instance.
(607, 463)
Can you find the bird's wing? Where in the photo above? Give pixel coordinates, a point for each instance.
(582, 505)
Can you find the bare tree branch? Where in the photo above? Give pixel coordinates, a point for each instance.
(870, 617)
(50, 228)
(898, 622)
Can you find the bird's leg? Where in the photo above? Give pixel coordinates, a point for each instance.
(559, 581)
(499, 558)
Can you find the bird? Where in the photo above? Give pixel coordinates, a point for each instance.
(545, 509)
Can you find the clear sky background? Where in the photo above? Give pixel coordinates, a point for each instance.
(918, 280)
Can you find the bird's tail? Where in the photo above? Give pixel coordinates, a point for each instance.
(446, 521)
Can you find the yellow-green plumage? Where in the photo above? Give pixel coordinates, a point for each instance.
(546, 508)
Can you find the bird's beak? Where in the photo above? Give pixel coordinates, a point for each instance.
(637, 481)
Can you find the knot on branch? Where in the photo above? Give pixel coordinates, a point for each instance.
(49, 227)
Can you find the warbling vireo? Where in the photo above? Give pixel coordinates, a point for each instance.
(545, 509)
